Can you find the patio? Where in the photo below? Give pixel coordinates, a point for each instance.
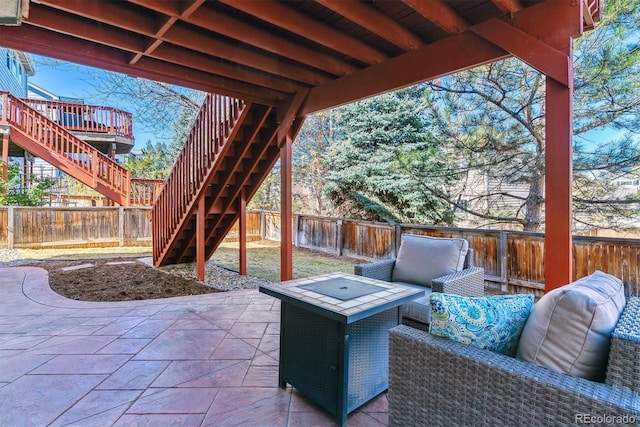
(201, 360)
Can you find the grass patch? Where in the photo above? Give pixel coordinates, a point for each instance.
(263, 260)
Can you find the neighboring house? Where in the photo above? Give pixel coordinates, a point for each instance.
(506, 194)
(15, 68)
(36, 92)
(482, 191)
(628, 185)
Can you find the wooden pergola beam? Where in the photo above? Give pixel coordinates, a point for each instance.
(188, 38)
(236, 29)
(508, 6)
(124, 40)
(283, 16)
(440, 14)
(405, 70)
(546, 59)
(5, 155)
(110, 13)
(558, 184)
(242, 234)
(376, 22)
(201, 218)
(286, 209)
(471, 50)
(177, 34)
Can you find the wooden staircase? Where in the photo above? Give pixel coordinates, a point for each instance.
(230, 150)
(42, 137)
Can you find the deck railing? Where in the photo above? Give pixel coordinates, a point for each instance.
(212, 126)
(78, 117)
(592, 12)
(144, 192)
(44, 132)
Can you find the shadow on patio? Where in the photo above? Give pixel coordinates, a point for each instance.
(200, 360)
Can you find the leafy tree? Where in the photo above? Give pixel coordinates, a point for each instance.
(607, 70)
(13, 192)
(310, 168)
(154, 162)
(494, 118)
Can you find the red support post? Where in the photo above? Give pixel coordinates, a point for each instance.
(5, 158)
(242, 234)
(558, 254)
(200, 218)
(286, 211)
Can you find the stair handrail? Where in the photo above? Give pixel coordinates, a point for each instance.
(69, 148)
(217, 116)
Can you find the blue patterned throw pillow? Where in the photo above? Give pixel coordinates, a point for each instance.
(493, 323)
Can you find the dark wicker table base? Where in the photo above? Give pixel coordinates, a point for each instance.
(339, 366)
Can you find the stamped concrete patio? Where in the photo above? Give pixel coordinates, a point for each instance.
(205, 360)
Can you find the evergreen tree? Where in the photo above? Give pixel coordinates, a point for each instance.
(370, 177)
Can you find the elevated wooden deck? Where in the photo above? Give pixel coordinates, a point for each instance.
(38, 133)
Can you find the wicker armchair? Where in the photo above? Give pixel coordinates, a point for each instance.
(467, 282)
(435, 381)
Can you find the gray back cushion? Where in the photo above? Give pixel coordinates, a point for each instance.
(569, 329)
(422, 258)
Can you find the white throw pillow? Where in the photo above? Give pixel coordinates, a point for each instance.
(569, 329)
(422, 258)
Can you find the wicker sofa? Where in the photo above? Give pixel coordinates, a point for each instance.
(436, 381)
(468, 281)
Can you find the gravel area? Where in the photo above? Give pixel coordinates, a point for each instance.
(217, 277)
(9, 257)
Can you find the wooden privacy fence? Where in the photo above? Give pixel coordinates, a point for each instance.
(512, 260)
(38, 227)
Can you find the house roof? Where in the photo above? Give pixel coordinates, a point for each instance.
(266, 51)
(26, 62)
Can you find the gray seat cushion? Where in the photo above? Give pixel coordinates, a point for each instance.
(421, 258)
(419, 309)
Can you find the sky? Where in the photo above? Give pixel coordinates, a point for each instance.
(69, 81)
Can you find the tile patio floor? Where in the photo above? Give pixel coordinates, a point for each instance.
(205, 360)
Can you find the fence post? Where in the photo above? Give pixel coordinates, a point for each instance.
(11, 227)
(339, 237)
(263, 225)
(121, 226)
(296, 231)
(502, 258)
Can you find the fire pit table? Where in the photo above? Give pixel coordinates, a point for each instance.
(334, 344)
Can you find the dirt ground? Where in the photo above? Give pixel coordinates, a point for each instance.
(118, 279)
(120, 276)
